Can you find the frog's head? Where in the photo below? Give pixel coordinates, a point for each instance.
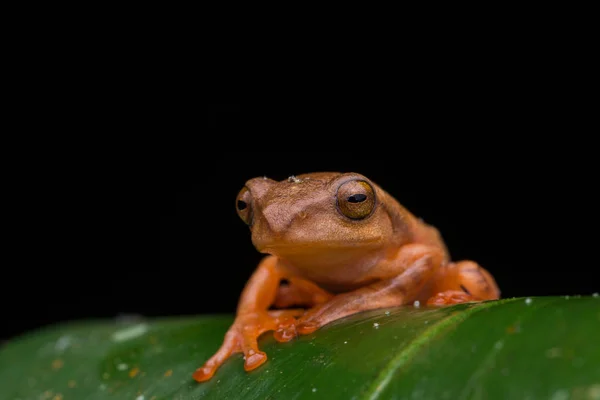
(310, 213)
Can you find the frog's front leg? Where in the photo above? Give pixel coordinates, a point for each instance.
(300, 292)
(252, 320)
(418, 262)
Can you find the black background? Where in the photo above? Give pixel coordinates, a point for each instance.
(525, 209)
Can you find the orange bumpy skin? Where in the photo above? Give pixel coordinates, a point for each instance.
(345, 246)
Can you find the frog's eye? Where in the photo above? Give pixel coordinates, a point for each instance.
(356, 199)
(243, 205)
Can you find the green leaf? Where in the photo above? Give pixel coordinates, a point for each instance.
(537, 348)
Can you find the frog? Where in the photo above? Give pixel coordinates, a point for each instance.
(336, 244)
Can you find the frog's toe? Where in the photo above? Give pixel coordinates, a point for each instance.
(285, 321)
(450, 297)
(286, 330)
(230, 345)
(306, 328)
(204, 373)
(285, 333)
(254, 359)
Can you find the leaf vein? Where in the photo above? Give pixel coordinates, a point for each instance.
(408, 353)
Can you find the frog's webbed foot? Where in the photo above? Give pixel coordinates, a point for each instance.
(242, 337)
(449, 297)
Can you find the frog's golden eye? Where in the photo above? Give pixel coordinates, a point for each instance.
(243, 205)
(356, 199)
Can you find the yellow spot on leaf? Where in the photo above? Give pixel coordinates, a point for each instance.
(47, 394)
(169, 372)
(58, 397)
(72, 383)
(594, 391)
(57, 364)
(134, 372)
(153, 340)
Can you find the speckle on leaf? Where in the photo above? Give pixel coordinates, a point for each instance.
(554, 352)
(57, 364)
(560, 394)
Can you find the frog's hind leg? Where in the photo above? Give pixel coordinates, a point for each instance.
(462, 282)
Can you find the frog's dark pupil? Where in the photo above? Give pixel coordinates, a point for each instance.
(357, 198)
(241, 205)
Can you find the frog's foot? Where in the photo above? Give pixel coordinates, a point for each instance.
(463, 282)
(242, 338)
(325, 313)
(286, 324)
(476, 281)
(450, 297)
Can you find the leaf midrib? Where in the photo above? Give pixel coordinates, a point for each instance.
(478, 370)
(407, 354)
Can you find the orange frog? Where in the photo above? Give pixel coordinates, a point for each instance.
(344, 246)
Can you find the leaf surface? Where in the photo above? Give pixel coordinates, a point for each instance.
(536, 348)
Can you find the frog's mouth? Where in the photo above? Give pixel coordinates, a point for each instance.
(321, 259)
(287, 248)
